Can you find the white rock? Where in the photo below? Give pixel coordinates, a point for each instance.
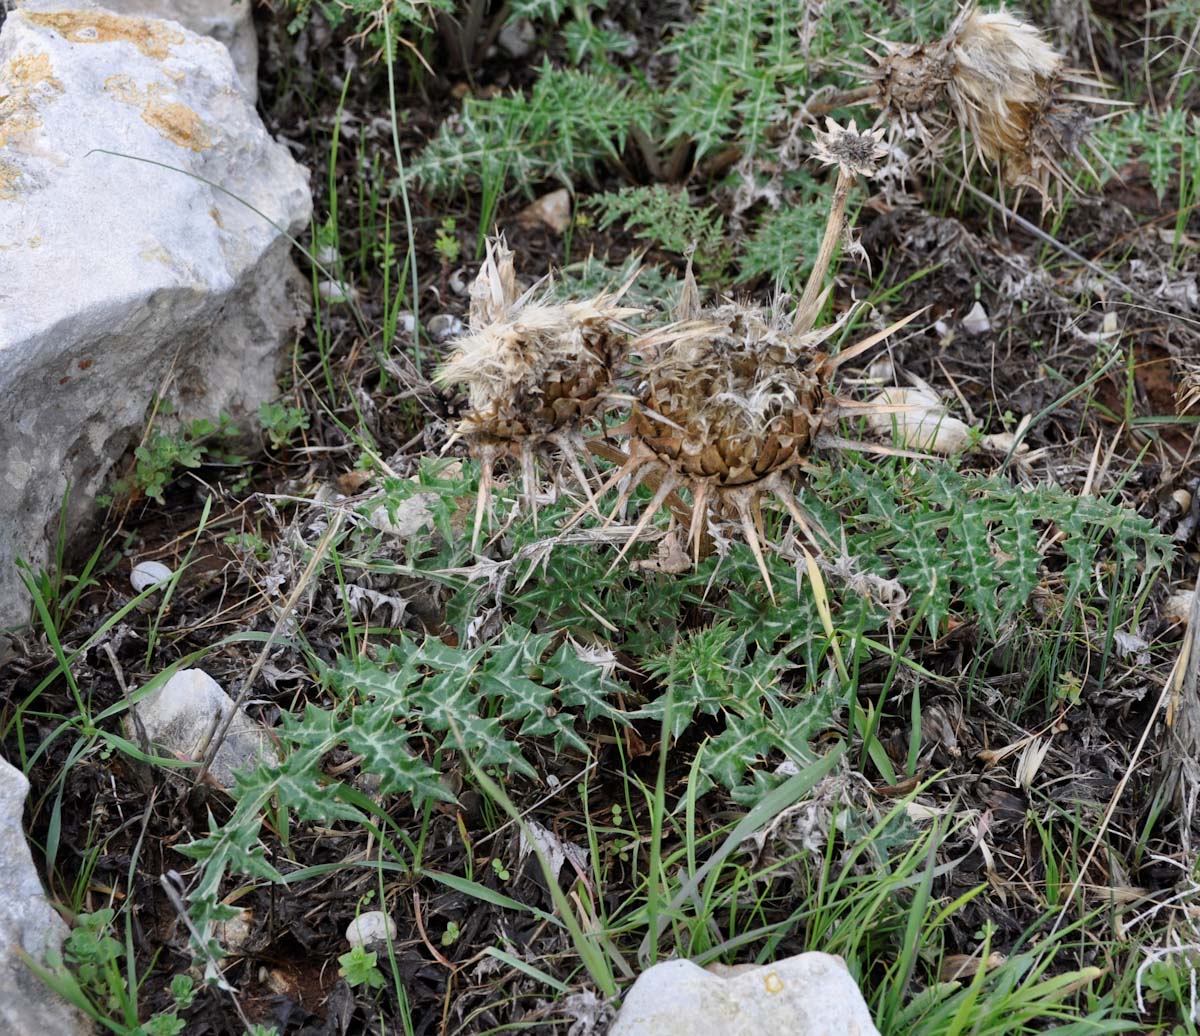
(146, 574)
(517, 38)
(407, 518)
(1178, 606)
(926, 426)
(976, 321)
(327, 255)
(445, 326)
(120, 276)
(406, 322)
(552, 210)
(230, 22)
(235, 934)
(335, 291)
(811, 994)
(372, 927)
(1003, 443)
(184, 712)
(28, 923)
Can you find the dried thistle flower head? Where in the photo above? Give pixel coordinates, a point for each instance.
(731, 400)
(535, 371)
(854, 153)
(1001, 83)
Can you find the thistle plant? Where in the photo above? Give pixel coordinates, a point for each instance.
(535, 372)
(732, 398)
(726, 402)
(993, 80)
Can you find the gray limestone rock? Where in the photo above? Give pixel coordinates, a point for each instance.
(230, 22)
(126, 275)
(184, 714)
(27, 922)
(810, 994)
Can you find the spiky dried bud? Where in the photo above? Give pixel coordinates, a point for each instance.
(535, 371)
(1001, 82)
(731, 399)
(532, 368)
(728, 397)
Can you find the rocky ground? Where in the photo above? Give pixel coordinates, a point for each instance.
(1001, 837)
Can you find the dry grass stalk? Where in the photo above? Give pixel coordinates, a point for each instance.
(536, 372)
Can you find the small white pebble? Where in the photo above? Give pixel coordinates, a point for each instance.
(234, 934)
(335, 291)
(976, 322)
(371, 927)
(445, 326)
(406, 323)
(326, 255)
(146, 574)
(1178, 606)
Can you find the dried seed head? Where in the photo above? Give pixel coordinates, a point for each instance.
(731, 396)
(532, 368)
(535, 371)
(731, 399)
(1001, 83)
(1003, 75)
(854, 153)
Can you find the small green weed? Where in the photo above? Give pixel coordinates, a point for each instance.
(90, 974)
(358, 968)
(668, 219)
(158, 460)
(281, 421)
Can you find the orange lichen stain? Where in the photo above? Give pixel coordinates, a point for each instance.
(151, 37)
(29, 82)
(26, 71)
(772, 983)
(177, 122)
(216, 217)
(85, 363)
(9, 176)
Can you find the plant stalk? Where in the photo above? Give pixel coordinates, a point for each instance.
(811, 301)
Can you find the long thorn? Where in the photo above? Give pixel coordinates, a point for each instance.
(699, 520)
(668, 484)
(751, 534)
(483, 497)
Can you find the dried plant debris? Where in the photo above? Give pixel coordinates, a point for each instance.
(994, 82)
(535, 371)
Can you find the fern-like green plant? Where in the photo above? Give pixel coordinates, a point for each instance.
(667, 219)
(569, 121)
(782, 247)
(1167, 141)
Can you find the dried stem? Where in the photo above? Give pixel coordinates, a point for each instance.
(810, 303)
